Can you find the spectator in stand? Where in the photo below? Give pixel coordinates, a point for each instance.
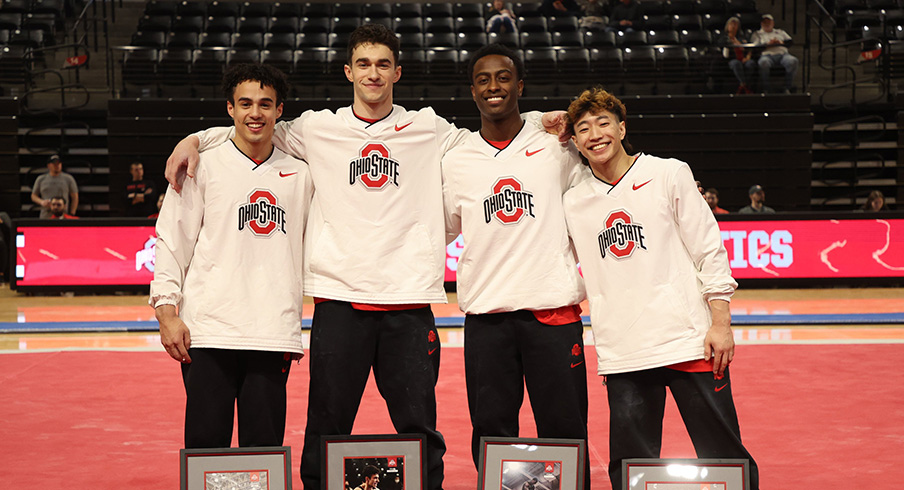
(875, 202)
(775, 44)
(58, 209)
(500, 18)
(712, 198)
(55, 183)
(757, 202)
(739, 58)
(626, 16)
(593, 13)
(561, 8)
(140, 193)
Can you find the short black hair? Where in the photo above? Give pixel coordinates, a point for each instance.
(267, 75)
(370, 470)
(373, 34)
(501, 50)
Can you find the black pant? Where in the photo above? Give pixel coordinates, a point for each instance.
(403, 349)
(505, 351)
(637, 406)
(218, 378)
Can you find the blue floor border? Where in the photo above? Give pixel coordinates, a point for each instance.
(458, 321)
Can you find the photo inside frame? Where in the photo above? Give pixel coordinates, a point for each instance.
(390, 470)
(531, 475)
(237, 480)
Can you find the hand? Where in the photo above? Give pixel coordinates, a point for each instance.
(45, 203)
(558, 6)
(174, 334)
(183, 161)
(719, 342)
(138, 198)
(555, 122)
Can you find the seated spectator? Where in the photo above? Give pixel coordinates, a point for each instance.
(560, 8)
(775, 43)
(626, 16)
(757, 202)
(55, 183)
(593, 14)
(500, 18)
(875, 202)
(140, 193)
(712, 198)
(58, 209)
(739, 58)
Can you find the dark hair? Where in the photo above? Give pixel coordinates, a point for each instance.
(370, 470)
(712, 190)
(373, 34)
(874, 196)
(595, 101)
(501, 50)
(61, 198)
(267, 75)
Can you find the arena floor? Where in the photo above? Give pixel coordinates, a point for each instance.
(90, 400)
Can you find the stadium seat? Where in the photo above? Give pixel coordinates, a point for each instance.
(345, 25)
(280, 58)
(688, 22)
(283, 10)
(224, 9)
(139, 67)
(441, 63)
(739, 6)
(285, 25)
(316, 25)
(156, 40)
(679, 7)
(657, 22)
(652, 7)
(467, 10)
(663, 37)
(570, 39)
(221, 24)
(191, 9)
(11, 20)
(258, 9)
(469, 24)
(166, 8)
(696, 38)
(607, 62)
(442, 40)
(236, 56)
(540, 63)
(188, 40)
(318, 10)
(189, 24)
(347, 10)
(717, 7)
(377, 10)
(403, 25)
(471, 40)
(154, 23)
(383, 21)
(527, 9)
(532, 24)
(215, 40)
(411, 40)
(598, 39)
(253, 24)
(574, 62)
(509, 39)
(438, 10)
(439, 24)
(563, 24)
(279, 40)
(337, 41)
(407, 10)
(311, 40)
(635, 38)
(248, 40)
(535, 40)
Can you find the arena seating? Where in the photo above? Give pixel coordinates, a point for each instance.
(672, 52)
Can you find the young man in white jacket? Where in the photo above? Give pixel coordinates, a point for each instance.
(659, 286)
(223, 247)
(518, 282)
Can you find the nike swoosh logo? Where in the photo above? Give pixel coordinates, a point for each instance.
(287, 175)
(635, 186)
(529, 153)
(718, 389)
(398, 128)
(431, 351)
(575, 364)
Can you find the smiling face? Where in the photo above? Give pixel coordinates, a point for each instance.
(373, 481)
(255, 112)
(373, 71)
(598, 136)
(495, 87)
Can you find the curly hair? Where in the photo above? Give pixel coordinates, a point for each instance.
(501, 50)
(373, 34)
(596, 100)
(267, 75)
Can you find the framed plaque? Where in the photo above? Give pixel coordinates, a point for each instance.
(243, 468)
(397, 460)
(534, 464)
(685, 474)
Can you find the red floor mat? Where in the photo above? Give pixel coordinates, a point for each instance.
(814, 417)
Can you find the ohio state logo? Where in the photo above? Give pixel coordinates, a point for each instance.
(509, 202)
(621, 235)
(262, 214)
(374, 167)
